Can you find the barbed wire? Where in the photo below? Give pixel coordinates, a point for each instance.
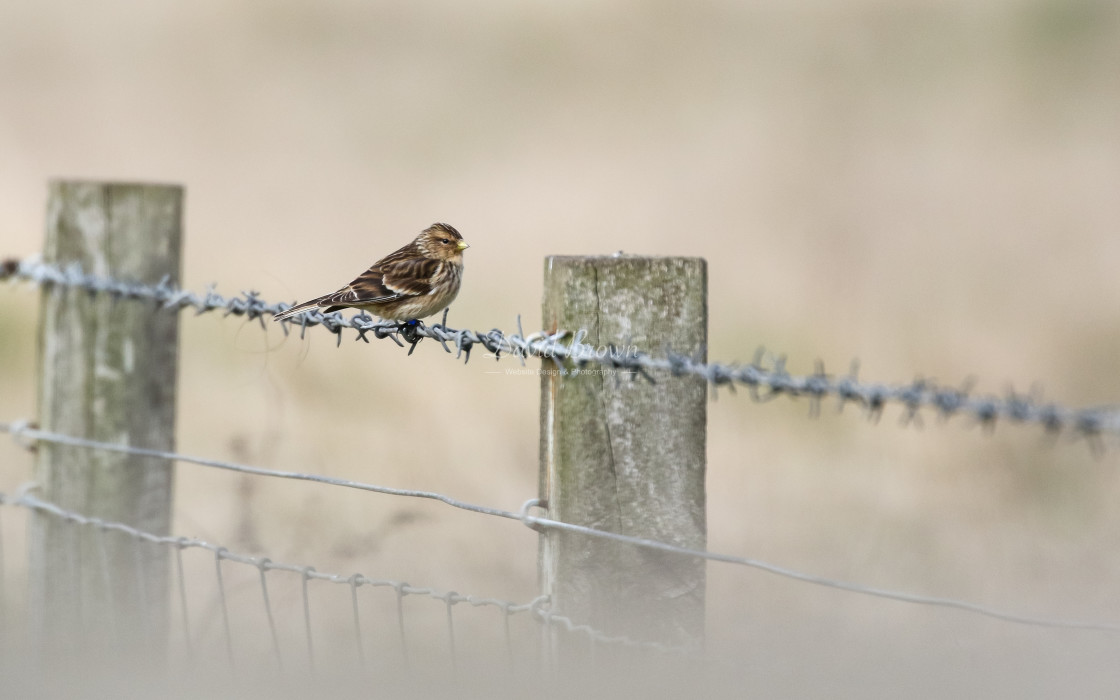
(23, 432)
(766, 377)
(538, 608)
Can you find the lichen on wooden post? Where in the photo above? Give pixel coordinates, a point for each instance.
(621, 454)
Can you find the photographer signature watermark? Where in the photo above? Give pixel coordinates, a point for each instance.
(562, 372)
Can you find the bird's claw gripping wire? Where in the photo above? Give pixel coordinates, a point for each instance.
(411, 331)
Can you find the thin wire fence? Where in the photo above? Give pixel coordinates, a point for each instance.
(27, 436)
(765, 377)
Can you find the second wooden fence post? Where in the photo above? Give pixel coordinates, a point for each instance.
(624, 455)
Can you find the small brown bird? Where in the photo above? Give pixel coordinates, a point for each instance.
(416, 281)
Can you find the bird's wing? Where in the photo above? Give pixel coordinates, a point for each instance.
(411, 277)
(389, 280)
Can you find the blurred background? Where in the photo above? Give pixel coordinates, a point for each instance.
(929, 187)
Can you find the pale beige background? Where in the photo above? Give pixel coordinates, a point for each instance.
(930, 187)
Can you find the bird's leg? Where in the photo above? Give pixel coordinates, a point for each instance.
(410, 331)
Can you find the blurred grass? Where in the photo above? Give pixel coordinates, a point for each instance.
(930, 188)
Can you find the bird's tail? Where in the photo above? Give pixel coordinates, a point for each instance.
(288, 313)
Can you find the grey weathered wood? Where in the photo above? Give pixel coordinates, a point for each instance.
(620, 454)
(107, 372)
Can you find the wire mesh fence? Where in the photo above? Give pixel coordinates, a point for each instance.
(526, 516)
(233, 609)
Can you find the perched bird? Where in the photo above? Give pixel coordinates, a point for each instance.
(418, 280)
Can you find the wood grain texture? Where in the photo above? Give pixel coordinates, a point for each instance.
(624, 455)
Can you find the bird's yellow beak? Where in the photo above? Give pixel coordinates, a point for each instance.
(462, 245)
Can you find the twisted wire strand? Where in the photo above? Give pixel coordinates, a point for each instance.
(850, 587)
(765, 377)
(22, 431)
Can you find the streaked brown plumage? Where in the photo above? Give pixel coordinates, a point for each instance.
(416, 281)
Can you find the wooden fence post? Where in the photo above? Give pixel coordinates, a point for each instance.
(624, 455)
(107, 372)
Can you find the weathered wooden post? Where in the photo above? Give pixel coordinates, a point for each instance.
(623, 455)
(107, 372)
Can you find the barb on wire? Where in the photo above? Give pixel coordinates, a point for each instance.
(765, 378)
(20, 431)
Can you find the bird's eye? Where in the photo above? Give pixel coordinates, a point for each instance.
(444, 241)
